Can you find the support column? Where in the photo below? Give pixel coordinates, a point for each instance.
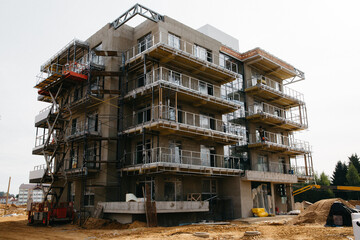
(272, 197)
(290, 198)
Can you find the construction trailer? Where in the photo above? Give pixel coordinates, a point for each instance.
(172, 113)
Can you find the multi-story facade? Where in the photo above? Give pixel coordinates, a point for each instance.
(166, 111)
(32, 191)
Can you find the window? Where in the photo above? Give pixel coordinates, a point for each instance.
(74, 157)
(204, 121)
(202, 53)
(174, 41)
(93, 122)
(144, 43)
(175, 151)
(209, 188)
(282, 165)
(74, 126)
(206, 88)
(228, 62)
(78, 92)
(173, 189)
(143, 155)
(141, 80)
(174, 77)
(89, 200)
(97, 59)
(92, 155)
(262, 163)
(143, 115)
(207, 155)
(141, 188)
(95, 85)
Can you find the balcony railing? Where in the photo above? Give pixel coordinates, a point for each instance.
(278, 140)
(55, 71)
(225, 92)
(276, 112)
(41, 140)
(89, 127)
(93, 163)
(178, 156)
(283, 168)
(303, 171)
(188, 49)
(276, 87)
(157, 113)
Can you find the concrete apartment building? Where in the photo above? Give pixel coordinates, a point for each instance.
(174, 114)
(33, 191)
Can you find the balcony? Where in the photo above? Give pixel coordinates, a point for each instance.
(161, 207)
(180, 161)
(86, 95)
(275, 142)
(224, 98)
(287, 119)
(186, 55)
(89, 128)
(74, 168)
(274, 92)
(42, 143)
(172, 120)
(277, 173)
(260, 59)
(37, 174)
(45, 115)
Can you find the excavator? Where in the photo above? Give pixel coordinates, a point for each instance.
(314, 186)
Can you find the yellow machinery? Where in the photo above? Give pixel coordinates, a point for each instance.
(309, 187)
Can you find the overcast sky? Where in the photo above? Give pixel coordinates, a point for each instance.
(320, 38)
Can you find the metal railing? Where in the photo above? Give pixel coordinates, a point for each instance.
(40, 167)
(276, 112)
(283, 168)
(80, 66)
(84, 127)
(303, 171)
(156, 113)
(225, 92)
(178, 156)
(276, 139)
(94, 163)
(179, 45)
(41, 140)
(275, 86)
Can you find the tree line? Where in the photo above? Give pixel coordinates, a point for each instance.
(345, 174)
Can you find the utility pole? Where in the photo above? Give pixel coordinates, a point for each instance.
(7, 196)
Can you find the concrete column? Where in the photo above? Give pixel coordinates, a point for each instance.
(272, 197)
(290, 198)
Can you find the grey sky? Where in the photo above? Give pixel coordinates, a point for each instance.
(320, 38)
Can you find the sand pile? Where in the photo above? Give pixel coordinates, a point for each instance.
(95, 223)
(318, 212)
(12, 209)
(354, 202)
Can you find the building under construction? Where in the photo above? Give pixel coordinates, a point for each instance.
(165, 123)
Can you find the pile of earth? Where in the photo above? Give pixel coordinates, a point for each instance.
(318, 212)
(95, 223)
(12, 209)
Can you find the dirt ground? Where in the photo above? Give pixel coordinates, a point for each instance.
(15, 227)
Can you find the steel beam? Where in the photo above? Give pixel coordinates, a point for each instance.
(132, 12)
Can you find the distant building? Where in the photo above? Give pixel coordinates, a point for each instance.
(30, 190)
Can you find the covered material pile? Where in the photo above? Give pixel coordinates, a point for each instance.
(318, 212)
